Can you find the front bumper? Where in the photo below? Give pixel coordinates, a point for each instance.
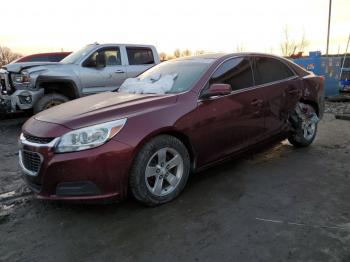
(20, 99)
(94, 174)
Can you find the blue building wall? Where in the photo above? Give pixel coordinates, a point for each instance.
(329, 67)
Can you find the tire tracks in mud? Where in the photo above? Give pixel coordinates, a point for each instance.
(9, 201)
(13, 193)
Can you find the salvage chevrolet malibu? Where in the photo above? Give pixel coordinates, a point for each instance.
(178, 117)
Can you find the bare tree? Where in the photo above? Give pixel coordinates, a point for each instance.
(240, 48)
(290, 46)
(303, 43)
(287, 46)
(169, 57)
(186, 52)
(199, 52)
(7, 56)
(177, 53)
(162, 56)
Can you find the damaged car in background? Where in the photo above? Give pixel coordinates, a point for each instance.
(96, 68)
(180, 116)
(43, 57)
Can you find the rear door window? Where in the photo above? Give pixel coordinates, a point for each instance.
(237, 72)
(270, 70)
(140, 56)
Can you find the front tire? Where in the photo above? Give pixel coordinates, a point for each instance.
(48, 101)
(160, 171)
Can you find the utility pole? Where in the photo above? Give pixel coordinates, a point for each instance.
(329, 24)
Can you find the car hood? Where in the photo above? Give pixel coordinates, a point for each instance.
(18, 67)
(100, 108)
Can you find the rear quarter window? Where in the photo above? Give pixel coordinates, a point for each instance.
(298, 69)
(140, 56)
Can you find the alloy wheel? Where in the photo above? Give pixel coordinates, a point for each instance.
(309, 130)
(164, 171)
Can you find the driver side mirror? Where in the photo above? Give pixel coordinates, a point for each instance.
(100, 60)
(217, 90)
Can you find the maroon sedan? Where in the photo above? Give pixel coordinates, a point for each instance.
(178, 117)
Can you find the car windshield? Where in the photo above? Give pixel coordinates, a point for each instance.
(169, 77)
(75, 56)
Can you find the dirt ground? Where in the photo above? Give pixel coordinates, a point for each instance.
(281, 204)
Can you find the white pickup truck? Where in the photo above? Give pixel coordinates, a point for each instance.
(93, 69)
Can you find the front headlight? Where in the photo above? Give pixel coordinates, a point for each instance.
(89, 137)
(22, 78)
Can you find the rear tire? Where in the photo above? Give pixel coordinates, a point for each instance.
(300, 141)
(304, 135)
(160, 171)
(48, 101)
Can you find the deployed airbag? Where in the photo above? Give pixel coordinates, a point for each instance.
(155, 84)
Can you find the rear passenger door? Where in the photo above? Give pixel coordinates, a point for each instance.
(281, 89)
(140, 59)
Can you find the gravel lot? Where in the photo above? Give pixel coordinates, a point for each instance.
(280, 204)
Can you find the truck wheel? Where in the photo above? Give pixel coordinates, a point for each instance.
(48, 101)
(160, 171)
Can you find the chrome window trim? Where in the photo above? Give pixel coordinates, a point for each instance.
(295, 76)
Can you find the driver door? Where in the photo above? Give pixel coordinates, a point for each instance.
(99, 77)
(225, 124)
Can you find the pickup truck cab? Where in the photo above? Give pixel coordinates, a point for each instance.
(93, 69)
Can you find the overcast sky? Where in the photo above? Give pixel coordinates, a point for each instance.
(216, 25)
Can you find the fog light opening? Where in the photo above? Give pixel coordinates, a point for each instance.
(25, 99)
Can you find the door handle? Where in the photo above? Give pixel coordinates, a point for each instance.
(257, 102)
(293, 91)
(119, 71)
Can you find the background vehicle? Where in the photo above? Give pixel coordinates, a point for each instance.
(43, 57)
(93, 69)
(216, 107)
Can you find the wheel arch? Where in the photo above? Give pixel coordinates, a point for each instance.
(175, 133)
(313, 104)
(65, 87)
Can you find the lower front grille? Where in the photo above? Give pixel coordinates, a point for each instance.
(31, 161)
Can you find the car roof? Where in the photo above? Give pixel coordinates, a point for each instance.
(223, 56)
(50, 53)
(120, 44)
